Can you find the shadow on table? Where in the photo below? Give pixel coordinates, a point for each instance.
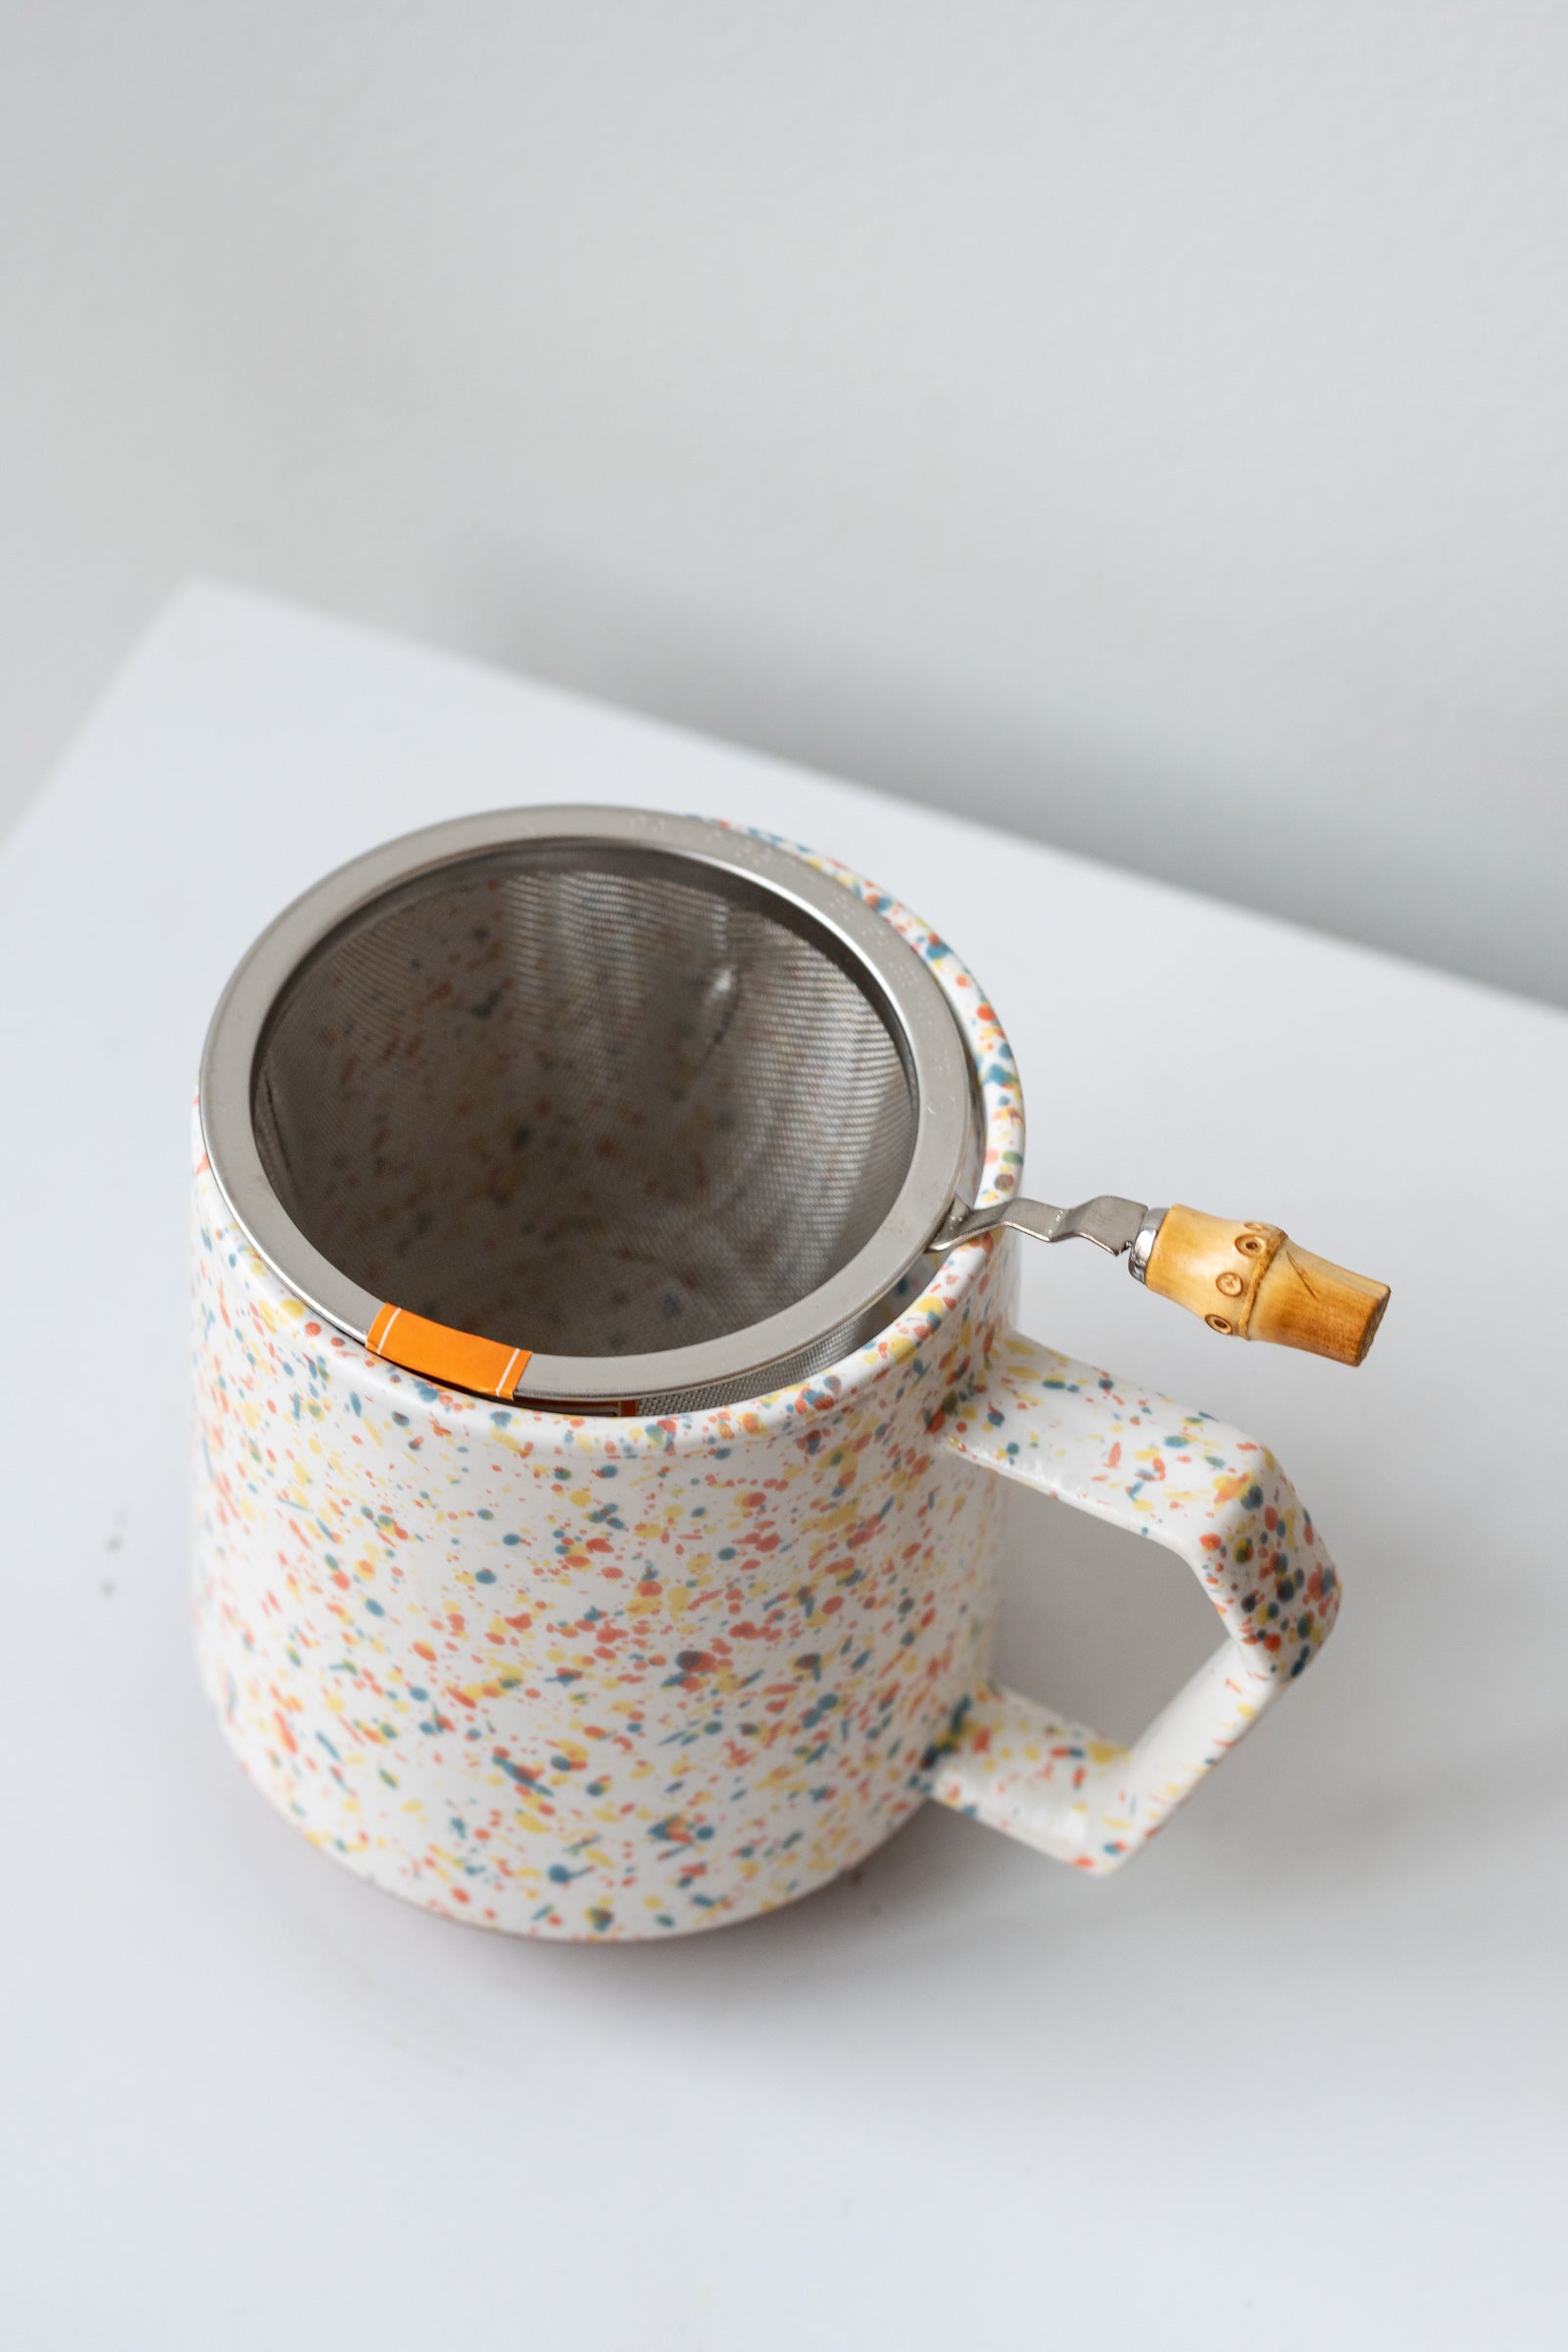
(1343, 1787)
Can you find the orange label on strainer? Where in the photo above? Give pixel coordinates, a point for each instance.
(457, 1357)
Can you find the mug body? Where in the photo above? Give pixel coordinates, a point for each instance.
(583, 1677)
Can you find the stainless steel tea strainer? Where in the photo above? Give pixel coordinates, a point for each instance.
(599, 1109)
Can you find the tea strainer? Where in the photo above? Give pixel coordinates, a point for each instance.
(599, 1110)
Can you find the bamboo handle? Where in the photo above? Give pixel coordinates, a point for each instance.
(1251, 1282)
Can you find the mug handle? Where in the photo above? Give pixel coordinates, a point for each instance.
(1197, 1488)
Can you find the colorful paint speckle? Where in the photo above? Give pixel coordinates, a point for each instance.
(1216, 1498)
(597, 1679)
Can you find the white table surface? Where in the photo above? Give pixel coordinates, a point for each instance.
(1296, 2078)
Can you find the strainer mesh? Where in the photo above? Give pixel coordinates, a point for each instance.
(589, 1102)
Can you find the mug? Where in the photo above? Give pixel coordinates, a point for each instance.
(596, 1679)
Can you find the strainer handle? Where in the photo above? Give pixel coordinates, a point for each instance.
(1197, 1488)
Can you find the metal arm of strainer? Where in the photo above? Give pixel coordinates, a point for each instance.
(1247, 1281)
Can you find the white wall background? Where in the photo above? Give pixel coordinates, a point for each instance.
(1141, 424)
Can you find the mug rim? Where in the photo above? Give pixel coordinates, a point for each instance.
(1001, 1093)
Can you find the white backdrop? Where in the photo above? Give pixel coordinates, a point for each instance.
(1142, 425)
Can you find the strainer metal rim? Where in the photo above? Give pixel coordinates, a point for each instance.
(938, 1062)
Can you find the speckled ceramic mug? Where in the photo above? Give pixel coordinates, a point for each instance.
(578, 1677)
